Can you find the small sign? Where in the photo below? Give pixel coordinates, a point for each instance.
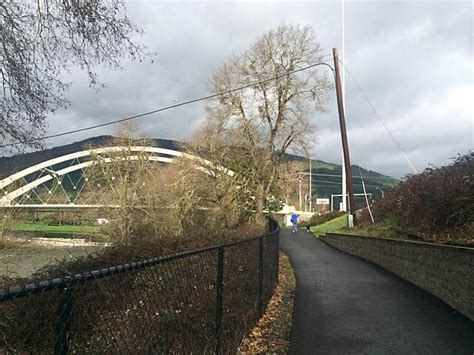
(322, 201)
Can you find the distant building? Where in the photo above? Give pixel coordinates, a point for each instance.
(102, 221)
(322, 205)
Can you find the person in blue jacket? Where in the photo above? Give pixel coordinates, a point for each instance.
(294, 221)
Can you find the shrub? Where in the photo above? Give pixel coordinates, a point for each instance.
(50, 220)
(438, 203)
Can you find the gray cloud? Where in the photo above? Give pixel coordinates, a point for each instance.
(413, 60)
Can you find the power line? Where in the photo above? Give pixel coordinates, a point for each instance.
(364, 95)
(338, 183)
(335, 186)
(327, 56)
(360, 171)
(354, 176)
(184, 103)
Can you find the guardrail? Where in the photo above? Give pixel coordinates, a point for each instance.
(201, 300)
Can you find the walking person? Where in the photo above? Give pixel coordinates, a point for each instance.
(294, 221)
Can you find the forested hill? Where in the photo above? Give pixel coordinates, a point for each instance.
(14, 163)
(326, 178)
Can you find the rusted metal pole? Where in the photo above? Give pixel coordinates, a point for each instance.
(345, 145)
(300, 196)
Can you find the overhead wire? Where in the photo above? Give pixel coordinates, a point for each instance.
(354, 176)
(338, 183)
(379, 118)
(358, 158)
(184, 103)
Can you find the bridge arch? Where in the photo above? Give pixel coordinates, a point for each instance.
(20, 184)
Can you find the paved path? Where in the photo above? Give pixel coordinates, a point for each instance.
(345, 305)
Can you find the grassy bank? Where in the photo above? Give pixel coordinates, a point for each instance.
(333, 225)
(385, 228)
(45, 229)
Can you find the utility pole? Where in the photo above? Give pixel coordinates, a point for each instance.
(345, 145)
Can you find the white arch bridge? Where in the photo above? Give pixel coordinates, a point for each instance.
(61, 183)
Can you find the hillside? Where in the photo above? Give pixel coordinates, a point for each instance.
(326, 178)
(10, 164)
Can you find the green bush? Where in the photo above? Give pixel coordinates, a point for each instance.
(50, 220)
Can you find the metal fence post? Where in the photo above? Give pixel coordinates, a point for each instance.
(277, 254)
(64, 320)
(219, 298)
(260, 277)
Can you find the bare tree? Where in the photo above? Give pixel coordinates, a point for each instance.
(258, 125)
(218, 191)
(119, 179)
(291, 180)
(219, 159)
(143, 200)
(40, 41)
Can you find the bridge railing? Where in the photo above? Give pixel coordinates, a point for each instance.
(198, 301)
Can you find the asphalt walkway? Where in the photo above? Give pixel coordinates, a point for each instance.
(345, 305)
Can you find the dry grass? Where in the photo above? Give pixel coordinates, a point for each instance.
(8, 243)
(272, 332)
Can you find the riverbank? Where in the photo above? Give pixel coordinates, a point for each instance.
(23, 256)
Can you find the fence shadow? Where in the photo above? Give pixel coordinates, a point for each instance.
(182, 303)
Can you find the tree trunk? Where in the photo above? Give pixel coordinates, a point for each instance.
(260, 199)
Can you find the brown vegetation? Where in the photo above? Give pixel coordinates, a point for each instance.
(145, 201)
(153, 211)
(436, 205)
(272, 332)
(168, 307)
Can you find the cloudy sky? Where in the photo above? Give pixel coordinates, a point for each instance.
(413, 60)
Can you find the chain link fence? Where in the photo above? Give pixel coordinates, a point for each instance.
(200, 301)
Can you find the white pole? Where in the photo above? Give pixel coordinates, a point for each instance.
(310, 187)
(367, 201)
(344, 187)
